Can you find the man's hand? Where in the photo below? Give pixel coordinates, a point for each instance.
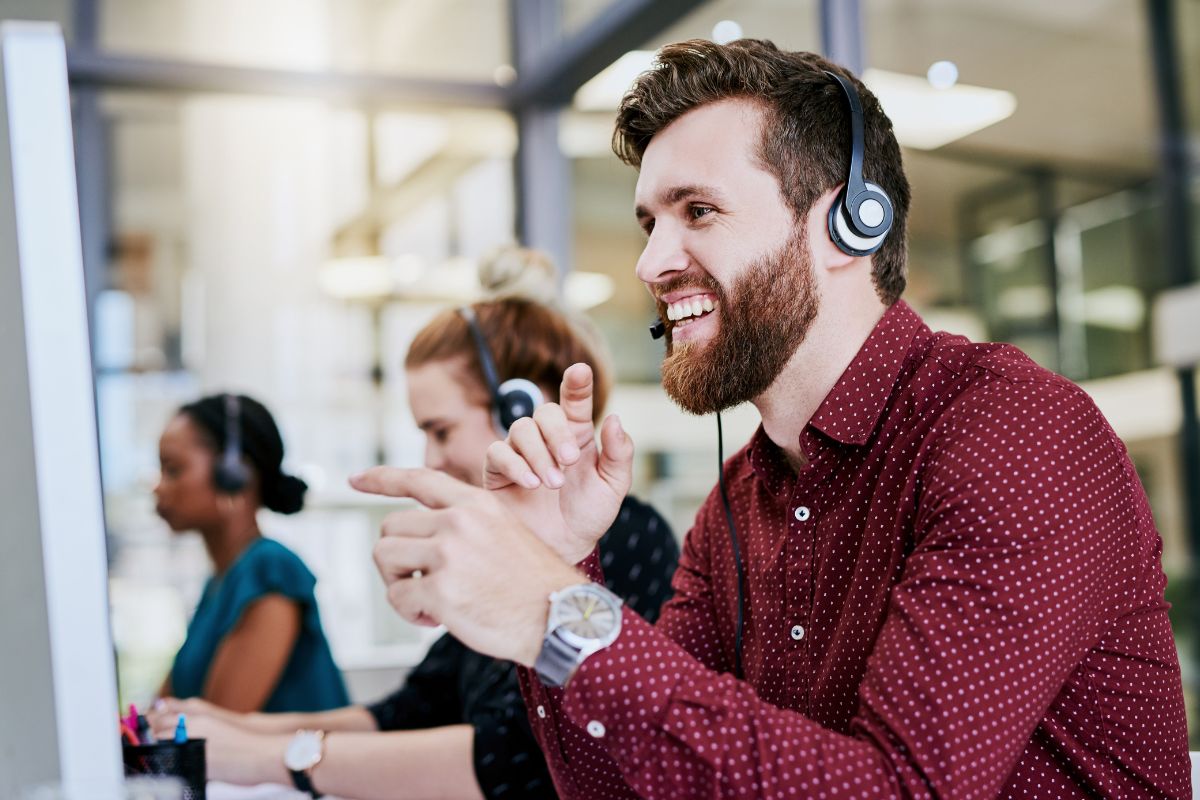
(465, 561)
(233, 754)
(551, 474)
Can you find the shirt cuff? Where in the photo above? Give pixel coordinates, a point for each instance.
(621, 695)
(590, 566)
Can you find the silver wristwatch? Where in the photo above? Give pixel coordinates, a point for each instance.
(583, 619)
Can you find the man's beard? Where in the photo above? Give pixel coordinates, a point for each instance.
(762, 320)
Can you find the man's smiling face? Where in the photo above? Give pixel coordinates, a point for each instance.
(725, 257)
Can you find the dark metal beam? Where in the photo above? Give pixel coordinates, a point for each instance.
(542, 171)
(624, 25)
(90, 69)
(842, 34)
(86, 24)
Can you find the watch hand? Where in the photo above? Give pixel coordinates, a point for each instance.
(590, 608)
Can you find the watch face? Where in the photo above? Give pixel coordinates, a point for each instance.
(587, 614)
(303, 751)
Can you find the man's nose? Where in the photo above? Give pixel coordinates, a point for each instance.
(663, 256)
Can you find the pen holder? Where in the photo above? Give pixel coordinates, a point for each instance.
(183, 761)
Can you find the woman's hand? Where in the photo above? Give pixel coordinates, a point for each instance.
(233, 754)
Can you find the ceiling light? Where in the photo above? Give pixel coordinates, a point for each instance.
(605, 90)
(726, 31)
(942, 74)
(923, 117)
(504, 74)
(927, 118)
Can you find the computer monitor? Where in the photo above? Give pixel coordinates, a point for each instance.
(58, 724)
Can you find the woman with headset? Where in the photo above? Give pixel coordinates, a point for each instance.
(255, 642)
(457, 728)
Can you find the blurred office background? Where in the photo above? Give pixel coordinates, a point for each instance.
(275, 194)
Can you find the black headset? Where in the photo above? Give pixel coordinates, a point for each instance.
(511, 400)
(230, 475)
(861, 216)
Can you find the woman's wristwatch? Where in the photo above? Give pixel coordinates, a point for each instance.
(303, 753)
(583, 619)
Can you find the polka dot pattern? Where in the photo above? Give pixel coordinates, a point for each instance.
(977, 577)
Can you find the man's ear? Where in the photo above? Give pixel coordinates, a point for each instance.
(826, 254)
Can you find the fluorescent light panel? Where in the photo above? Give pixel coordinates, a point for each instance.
(923, 117)
(927, 118)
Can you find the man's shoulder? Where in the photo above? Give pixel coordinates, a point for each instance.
(996, 386)
(983, 361)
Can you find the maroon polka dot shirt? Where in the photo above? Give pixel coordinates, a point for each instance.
(959, 595)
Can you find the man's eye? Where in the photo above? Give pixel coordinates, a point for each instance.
(697, 212)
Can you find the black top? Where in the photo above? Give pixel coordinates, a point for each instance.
(454, 685)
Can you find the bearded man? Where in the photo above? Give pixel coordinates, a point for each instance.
(932, 572)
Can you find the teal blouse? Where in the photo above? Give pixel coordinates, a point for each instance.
(311, 680)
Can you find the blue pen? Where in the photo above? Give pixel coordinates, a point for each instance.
(181, 731)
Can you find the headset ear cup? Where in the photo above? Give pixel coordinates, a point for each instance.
(846, 239)
(515, 399)
(230, 475)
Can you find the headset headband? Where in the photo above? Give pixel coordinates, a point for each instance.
(854, 179)
(485, 354)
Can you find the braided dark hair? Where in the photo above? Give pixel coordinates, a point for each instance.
(262, 447)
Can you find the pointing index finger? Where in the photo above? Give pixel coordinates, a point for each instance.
(428, 487)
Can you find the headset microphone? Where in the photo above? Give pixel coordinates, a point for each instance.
(658, 329)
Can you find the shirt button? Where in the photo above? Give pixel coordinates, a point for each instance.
(541, 712)
(802, 513)
(596, 728)
(797, 632)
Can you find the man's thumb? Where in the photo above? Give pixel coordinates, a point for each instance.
(616, 456)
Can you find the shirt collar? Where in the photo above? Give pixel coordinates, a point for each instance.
(851, 410)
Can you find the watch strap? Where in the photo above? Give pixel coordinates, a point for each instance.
(303, 782)
(557, 661)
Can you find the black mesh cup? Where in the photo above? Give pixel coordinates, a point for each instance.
(183, 761)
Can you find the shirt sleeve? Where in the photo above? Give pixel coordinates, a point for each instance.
(429, 697)
(268, 568)
(1004, 593)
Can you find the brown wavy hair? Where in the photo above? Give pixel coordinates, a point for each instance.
(805, 137)
(526, 340)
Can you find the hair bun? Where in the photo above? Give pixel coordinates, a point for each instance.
(285, 494)
(513, 271)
